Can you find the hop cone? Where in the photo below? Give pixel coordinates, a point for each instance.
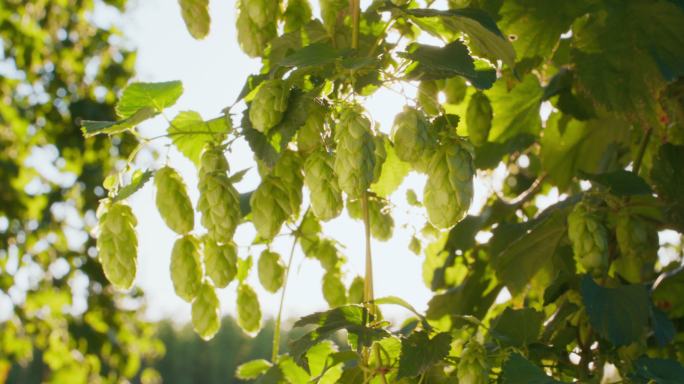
(220, 262)
(589, 239)
(173, 202)
(455, 90)
(117, 244)
(427, 97)
(186, 271)
(253, 38)
(379, 215)
(297, 14)
(271, 271)
(356, 290)
(355, 159)
(269, 105)
(334, 290)
(310, 135)
(249, 312)
(289, 170)
(320, 178)
(380, 154)
(479, 118)
(326, 253)
(638, 244)
(410, 135)
(271, 206)
(472, 369)
(262, 12)
(449, 187)
(205, 312)
(219, 202)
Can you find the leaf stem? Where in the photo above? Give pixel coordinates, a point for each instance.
(642, 150)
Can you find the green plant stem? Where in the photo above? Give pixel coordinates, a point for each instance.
(368, 280)
(356, 16)
(276, 330)
(642, 150)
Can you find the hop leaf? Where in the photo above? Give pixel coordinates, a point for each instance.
(638, 244)
(220, 262)
(205, 312)
(271, 206)
(186, 271)
(449, 187)
(269, 105)
(589, 239)
(173, 202)
(271, 271)
(479, 118)
(249, 312)
(320, 178)
(219, 202)
(117, 243)
(427, 97)
(334, 290)
(472, 368)
(410, 135)
(355, 160)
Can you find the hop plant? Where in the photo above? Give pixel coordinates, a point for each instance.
(589, 238)
(271, 271)
(449, 188)
(427, 97)
(219, 202)
(379, 215)
(410, 134)
(479, 118)
(173, 202)
(269, 105)
(271, 206)
(334, 291)
(205, 312)
(297, 14)
(310, 135)
(117, 243)
(355, 160)
(253, 38)
(262, 12)
(320, 178)
(220, 262)
(248, 309)
(472, 368)
(186, 271)
(289, 170)
(638, 244)
(331, 11)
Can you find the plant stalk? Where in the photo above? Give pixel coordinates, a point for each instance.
(642, 150)
(276, 329)
(368, 280)
(356, 16)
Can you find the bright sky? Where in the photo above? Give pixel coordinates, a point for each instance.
(213, 71)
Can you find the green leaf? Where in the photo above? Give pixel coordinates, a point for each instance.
(519, 370)
(316, 54)
(658, 371)
(190, 133)
(668, 174)
(518, 327)
(488, 155)
(434, 63)
(138, 180)
(392, 173)
(668, 293)
(91, 128)
(196, 16)
(618, 314)
(419, 352)
(516, 110)
(403, 303)
(252, 369)
(620, 182)
(157, 96)
(484, 36)
(524, 257)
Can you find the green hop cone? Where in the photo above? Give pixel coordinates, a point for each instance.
(213, 160)
(219, 202)
(271, 206)
(472, 368)
(410, 134)
(589, 239)
(427, 97)
(325, 251)
(310, 135)
(173, 202)
(380, 154)
(355, 159)
(205, 312)
(117, 243)
(248, 309)
(379, 215)
(449, 188)
(638, 244)
(320, 178)
(186, 270)
(269, 105)
(356, 290)
(415, 246)
(479, 118)
(334, 290)
(196, 16)
(332, 12)
(455, 89)
(220, 262)
(262, 12)
(297, 14)
(271, 271)
(289, 170)
(252, 38)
